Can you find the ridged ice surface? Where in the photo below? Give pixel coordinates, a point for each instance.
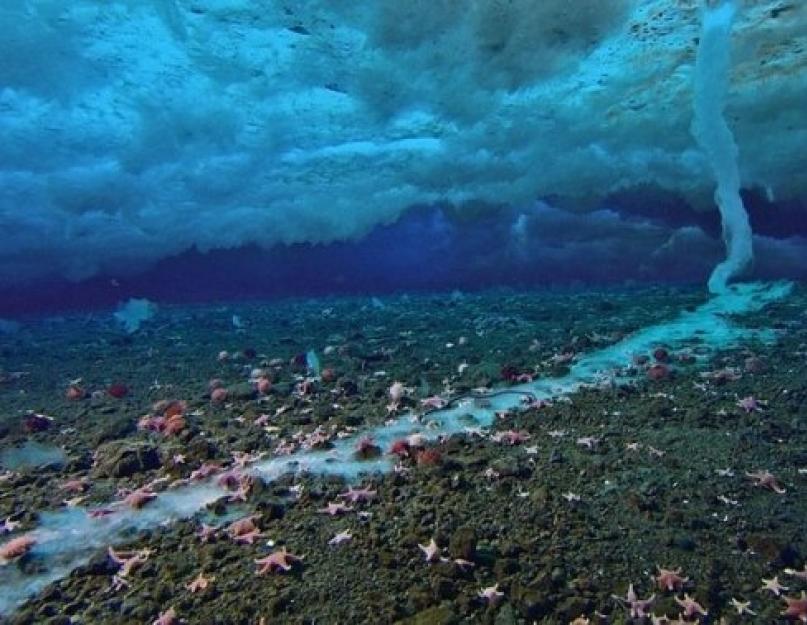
(133, 130)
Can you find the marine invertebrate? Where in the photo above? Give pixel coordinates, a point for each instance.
(118, 390)
(16, 548)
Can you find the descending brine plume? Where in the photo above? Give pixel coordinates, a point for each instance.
(715, 139)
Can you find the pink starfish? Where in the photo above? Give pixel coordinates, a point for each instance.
(491, 594)
(796, 607)
(244, 530)
(139, 498)
(691, 607)
(431, 551)
(242, 458)
(75, 485)
(668, 579)
(243, 490)
(200, 582)
(802, 575)
(433, 403)
(168, 617)
(230, 479)
(511, 437)
(463, 565)
(206, 470)
(16, 548)
(206, 533)
(279, 560)
(766, 480)
(335, 508)
(639, 608)
(129, 560)
(749, 404)
(358, 495)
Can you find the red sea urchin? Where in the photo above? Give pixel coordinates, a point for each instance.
(118, 390)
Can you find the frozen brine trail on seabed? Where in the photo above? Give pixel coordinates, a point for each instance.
(66, 539)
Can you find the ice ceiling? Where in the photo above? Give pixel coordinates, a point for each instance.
(136, 129)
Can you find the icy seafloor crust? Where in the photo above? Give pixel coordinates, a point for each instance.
(66, 539)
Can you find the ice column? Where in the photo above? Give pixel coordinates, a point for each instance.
(715, 139)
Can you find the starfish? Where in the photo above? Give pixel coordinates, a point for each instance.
(638, 607)
(244, 488)
(335, 508)
(773, 585)
(434, 402)
(802, 575)
(743, 607)
(16, 548)
(242, 458)
(341, 537)
(766, 479)
(200, 582)
(129, 560)
(278, 560)
(354, 495)
(9, 526)
(76, 485)
(431, 551)
(244, 530)
(749, 404)
(463, 565)
(511, 437)
(691, 607)
(168, 617)
(492, 594)
(796, 607)
(667, 579)
(206, 532)
(204, 471)
(588, 441)
(139, 498)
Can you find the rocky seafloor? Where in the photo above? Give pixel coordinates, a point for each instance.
(595, 492)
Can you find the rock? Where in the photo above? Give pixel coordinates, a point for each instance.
(533, 603)
(125, 458)
(463, 544)
(683, 542)
(443, 588)
(242, 391)
(505, 567)
(442, 614)
(505, 616)
(113, 428)
(99, 564)
(507, 466)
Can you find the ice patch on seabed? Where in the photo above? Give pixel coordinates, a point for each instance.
(66, 539)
